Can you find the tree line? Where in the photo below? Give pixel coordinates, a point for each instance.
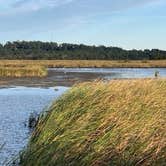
(37, 50)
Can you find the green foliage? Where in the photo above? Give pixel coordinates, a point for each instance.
(49, 50)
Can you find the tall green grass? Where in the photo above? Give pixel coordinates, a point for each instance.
(113, 123)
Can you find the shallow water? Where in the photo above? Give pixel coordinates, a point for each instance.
(116, 72)
(16, 104)
(70, 76)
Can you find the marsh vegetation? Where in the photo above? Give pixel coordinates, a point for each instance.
(120, 122)
(23, 71)
(84, 63)
(38, 68)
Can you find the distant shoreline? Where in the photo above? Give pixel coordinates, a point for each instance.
(86, 63)
(51, 50)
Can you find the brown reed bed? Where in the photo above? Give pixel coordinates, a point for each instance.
(84, 63)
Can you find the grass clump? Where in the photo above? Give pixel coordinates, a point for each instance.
(120, 122)
(25, 71)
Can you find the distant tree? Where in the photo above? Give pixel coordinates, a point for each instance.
(52, 50)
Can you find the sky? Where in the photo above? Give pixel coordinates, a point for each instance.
(130, 24)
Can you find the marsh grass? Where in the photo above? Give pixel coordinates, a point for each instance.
(84, 63)
(1, 147)
(120, 122)
(23, 71)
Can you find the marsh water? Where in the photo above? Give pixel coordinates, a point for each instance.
(16, 105)
(21, 97)
(70, 76)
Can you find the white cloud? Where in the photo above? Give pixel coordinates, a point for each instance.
(8, 7)
(15, 6)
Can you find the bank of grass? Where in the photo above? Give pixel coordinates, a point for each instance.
(118, 123)
(24, 71)
(84, 63)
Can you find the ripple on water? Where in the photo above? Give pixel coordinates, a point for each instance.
(16, 104)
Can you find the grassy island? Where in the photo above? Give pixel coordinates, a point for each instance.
(25, 71)
(119, 122)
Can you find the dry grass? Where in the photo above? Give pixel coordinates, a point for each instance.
(32, 68)
(119, 123)
(26, 71)
(83, 63)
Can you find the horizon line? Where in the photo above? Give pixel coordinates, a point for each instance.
(77, 43)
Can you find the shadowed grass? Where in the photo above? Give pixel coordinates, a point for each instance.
(26, 71)
(84, 63)
(100, 124)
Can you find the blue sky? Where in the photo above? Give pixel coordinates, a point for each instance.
(129, 24)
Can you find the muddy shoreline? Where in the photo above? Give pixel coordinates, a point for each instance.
(54, 78)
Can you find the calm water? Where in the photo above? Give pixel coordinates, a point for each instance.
(70, 76)
(112, 73)
(16, 104)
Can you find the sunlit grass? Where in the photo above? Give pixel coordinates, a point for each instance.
(28, 68)
(122, 122)
(25, 71)
(83, 63)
